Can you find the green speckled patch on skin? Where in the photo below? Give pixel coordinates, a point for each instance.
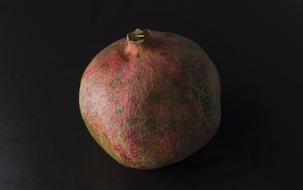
(119, 110)
(137, 121)
(142, 116)
(115, 82)
(201, 89)
(151, 125)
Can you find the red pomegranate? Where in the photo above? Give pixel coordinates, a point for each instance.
(151, 99)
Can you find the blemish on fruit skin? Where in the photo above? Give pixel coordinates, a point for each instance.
(200, 89)
(151, 125)
(119, 110)
(114, 83)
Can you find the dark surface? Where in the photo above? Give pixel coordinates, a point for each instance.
(45, 47)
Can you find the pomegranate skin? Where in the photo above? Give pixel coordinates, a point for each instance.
(153, 102)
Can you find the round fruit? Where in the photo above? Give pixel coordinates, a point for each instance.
(151, 99)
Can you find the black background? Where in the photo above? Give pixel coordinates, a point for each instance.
(46, 45)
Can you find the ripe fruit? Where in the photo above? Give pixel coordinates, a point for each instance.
(151, 99)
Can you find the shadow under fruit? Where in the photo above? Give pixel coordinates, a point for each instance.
(151, 99)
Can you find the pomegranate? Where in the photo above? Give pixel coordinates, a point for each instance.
(151, 99)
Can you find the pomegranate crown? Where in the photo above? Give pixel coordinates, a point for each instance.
(138, 36)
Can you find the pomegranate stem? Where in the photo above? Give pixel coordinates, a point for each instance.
(138, 36)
